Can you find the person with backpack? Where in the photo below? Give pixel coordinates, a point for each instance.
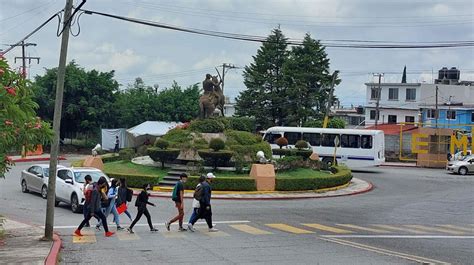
(95, 208)
(178, 198)
(205, 210)
(141, 203)
(87, 197)
(196, 205)
(110, 205)
(124, 195)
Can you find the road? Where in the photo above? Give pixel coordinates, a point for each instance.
(412, 216)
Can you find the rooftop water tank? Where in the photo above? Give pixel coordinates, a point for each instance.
(453, 73)
(443, 73)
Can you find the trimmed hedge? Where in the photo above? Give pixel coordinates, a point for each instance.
(126, 154)
(342, 177)
(241, 138)
(110, 158)
(178, 138)
(163, 155)
(250, 151)
(135, 181)
(224, 183)
(293, 152)
(219, 158)
(209, 125)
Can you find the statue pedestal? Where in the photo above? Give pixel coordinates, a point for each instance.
(264, 175)
(94, 161)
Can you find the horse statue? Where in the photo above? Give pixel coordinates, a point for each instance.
(212, 98)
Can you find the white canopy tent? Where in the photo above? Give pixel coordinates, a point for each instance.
(108, 138)
(148, 130)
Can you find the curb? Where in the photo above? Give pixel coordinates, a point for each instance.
(399, 165)
(369, 188)
(35, 159)
(53, 256)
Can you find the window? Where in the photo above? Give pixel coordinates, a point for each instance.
(366, 142)
(35, 170)
(409, 119)
(350, 141)
(393, 94)
(64, 174)
(411, 94)
(292, 137)
(328, 139)
(373, 114)
(373, 93)
(450, 114)
(392, 119)
(314, 139)
(472, 116)
(431, 114)
(272, 137)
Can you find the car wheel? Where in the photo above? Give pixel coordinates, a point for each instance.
(328, 162)
(463, 170)
(44, 192)
(74, 203)
(56, 203)
(24, 187)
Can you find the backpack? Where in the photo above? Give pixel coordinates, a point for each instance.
(198, 192)
(174, 195)
(129, 195)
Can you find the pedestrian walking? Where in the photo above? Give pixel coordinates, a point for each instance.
(87, 190)
(196, 205)
(95, 208)
(178, 198)
(112, 194)
(117, 144)
(124, 195)
(141, 203)
(105, 202)
(205, 210)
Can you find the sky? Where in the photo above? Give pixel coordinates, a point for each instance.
(160, 56)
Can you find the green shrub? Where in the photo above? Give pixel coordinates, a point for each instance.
(289, 162)
(241, 138)
(110, 158)
(333, 123)
(209, 125)
(178, 138)
(242, 124)
(301, 144)
(225, 183)
(161, 143)
(142, 150)
(163, 155)
(216, 159)
(249, 152)
(135, 181)
(216, 144)
(126, 154)
(305, 154)
(313, 124)
(342, 176)
(282, 141)
(199, 143)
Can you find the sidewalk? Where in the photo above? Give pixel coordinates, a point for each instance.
(356, 186)
(398, 164)
(21, 244)
(35, 158)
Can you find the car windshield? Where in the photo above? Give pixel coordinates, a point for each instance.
(466, 159)
(79, 176)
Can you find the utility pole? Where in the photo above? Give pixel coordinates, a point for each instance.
(331, 92)
(49, 224)
(225, 67)
(24, 57)
(436, 108)
(379, 90)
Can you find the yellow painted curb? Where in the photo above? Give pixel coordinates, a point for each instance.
(170, 189)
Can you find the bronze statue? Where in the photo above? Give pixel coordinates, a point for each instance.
(212, 97)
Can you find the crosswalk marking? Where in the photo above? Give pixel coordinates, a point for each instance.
(123, 235)
(250, 230)
(465, 229)
(214, 234)
(403, 229)
(328, 228)
(435, 229)
(364, 228)
(289, 229)
(87, 237)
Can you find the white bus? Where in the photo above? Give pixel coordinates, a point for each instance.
(357, 148)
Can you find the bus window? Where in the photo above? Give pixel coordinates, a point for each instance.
(350, 141)
(292, 137)
(271, 137)
(366, 142)
(314, 139)
(328, 139)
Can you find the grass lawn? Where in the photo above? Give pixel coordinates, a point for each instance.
(301, 173)
(131, 168)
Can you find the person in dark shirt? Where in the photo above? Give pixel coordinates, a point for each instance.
(205, 210)
(117, 144)
(178, 198)
(141, 203)
(122, 196)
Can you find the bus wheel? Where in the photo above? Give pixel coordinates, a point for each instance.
(328, 162)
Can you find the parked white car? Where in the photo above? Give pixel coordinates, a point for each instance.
(35, 179)
(462, 167)
(70, 183)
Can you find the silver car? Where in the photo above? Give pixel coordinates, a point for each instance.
(462, 167)
(35, 179)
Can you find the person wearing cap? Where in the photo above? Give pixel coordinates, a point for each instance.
(205, 210)
(178, 198)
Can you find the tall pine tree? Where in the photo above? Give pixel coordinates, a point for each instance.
(266, 95)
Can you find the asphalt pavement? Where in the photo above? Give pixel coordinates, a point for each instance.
(411, 216)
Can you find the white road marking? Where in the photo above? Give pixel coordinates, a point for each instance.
(154, 224)
(400, 236)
